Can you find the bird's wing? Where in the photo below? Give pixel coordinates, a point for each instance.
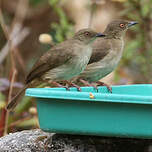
(51, 59)
(101, 48)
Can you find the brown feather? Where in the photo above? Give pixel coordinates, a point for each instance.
(62, 62)
(14, 100)
(51, 59)
(100, 49)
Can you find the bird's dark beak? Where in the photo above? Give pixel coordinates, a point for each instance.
(132, 23)
(100, 35)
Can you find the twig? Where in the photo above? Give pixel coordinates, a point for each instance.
(16, 41)
(16, 28)
(17, 122)
(20, 13)
(9, 98)
(3, 25)
(93, 7)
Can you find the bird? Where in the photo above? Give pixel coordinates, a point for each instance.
(106, 54)
(62, 62)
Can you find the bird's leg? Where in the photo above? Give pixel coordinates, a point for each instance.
(104, 84)
(86, 83)
(73, 85)
(59, 85)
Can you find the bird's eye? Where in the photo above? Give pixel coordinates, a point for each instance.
(121, 25)
(87, 33)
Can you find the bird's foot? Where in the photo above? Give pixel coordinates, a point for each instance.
(86, 83)
(59, 85)
(104, 84)
(73, 85)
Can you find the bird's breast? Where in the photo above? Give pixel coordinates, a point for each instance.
(111, 60)
(72, 68)
(100, 69)
(82, 60)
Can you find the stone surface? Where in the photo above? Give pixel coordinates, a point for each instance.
(39, 141)
(26, 141)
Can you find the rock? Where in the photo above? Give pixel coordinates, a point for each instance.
(26, 141)
(39, 141)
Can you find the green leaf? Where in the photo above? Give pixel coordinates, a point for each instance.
(2, 104)
(146, 8)
(28, 123)
(23, 105)
(36, 2)
(2, 97)
(53, 2)
(130, 49)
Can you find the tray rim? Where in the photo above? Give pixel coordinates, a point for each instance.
(62, 93)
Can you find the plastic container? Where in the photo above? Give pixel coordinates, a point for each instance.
(127, 112)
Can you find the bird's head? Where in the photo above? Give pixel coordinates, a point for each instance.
(118, 28)
(87, 35)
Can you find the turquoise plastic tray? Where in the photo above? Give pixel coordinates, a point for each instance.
(127, 112)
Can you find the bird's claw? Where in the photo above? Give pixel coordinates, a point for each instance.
(104, 84)
(86, 83)
(60, 86)
(73, 85)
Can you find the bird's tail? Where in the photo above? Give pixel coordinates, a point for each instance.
(11, 104)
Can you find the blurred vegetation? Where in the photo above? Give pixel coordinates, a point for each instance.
(63, 29)
(138, 51)
(22, 117)
(137, 58)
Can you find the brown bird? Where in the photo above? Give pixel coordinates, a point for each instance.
(62, 62)
(106, 54)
